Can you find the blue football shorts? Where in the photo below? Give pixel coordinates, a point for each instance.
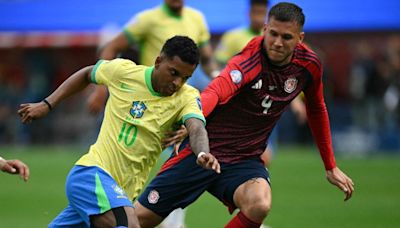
(90, 191)
(181, 181)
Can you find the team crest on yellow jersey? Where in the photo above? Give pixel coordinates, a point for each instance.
(138, 108)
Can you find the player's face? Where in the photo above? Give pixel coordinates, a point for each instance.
(280, 40)
(257, 16)
(175, 5)
(170, 74)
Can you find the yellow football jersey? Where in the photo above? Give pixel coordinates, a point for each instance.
(151, 28)
(232, 42)
(135, 118)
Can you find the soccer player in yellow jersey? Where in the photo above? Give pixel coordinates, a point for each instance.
(144, 103)
(148, 30)
(233, 41)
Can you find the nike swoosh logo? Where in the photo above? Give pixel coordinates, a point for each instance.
(126, 88)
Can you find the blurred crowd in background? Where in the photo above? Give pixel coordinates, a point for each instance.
(361, 79)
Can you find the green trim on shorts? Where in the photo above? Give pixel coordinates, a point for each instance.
(102, 200)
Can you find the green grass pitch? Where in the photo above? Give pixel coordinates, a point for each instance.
(301, 195)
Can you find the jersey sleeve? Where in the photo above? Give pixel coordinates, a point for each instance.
(233, 77)
(318, 119)
(192, 107)
(137, 28)
(108, 72)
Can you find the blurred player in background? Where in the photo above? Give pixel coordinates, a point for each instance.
(149, 30)
(144, 103)
(15, 167)
(233, 41)
(242, 106)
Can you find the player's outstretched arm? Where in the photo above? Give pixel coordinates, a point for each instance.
(15, 167)
(336, 177)
(75, 83)
(199, 143)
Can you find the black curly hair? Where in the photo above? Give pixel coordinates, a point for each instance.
(183, 47)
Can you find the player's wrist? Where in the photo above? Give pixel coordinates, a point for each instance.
(48, 104)
(201, 154)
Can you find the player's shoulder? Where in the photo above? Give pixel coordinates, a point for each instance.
(122, 62)
(194, 13)
(235, 32)
(306, 57)
(191, 10)
(150, 13)
(187, 91)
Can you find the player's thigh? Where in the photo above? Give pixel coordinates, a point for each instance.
(116, 217)
(147, 218)
(179, 183)
(256, 192)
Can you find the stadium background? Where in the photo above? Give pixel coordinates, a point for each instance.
(43, 41)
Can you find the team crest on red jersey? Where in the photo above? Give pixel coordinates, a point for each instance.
(236, 76)
(290, 85)
(153, 197)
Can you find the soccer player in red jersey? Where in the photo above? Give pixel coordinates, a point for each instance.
(242, 105)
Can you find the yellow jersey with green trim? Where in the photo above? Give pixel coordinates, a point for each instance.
(232, 42)
(151, 28)
(135, 119)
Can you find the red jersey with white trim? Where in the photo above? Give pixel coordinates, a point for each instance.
(244, 103)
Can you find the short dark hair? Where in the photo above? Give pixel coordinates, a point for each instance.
(259, 2)
(183, 47)
(286, 12)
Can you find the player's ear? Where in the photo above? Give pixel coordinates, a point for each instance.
(158, 61)
(301, 37)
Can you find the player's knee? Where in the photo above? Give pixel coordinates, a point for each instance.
(261, 208)
(258, 209)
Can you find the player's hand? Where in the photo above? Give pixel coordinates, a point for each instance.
(336, 177)
(32, 111)
(175, 138)
(15, 167)
(208, 161)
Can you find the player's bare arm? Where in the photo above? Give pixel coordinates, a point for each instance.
(336, 177)
(200, 145)
(74, 84)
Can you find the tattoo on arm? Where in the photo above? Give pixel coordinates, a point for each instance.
(197, 135)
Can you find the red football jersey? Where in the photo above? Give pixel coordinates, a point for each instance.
(244, 103)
